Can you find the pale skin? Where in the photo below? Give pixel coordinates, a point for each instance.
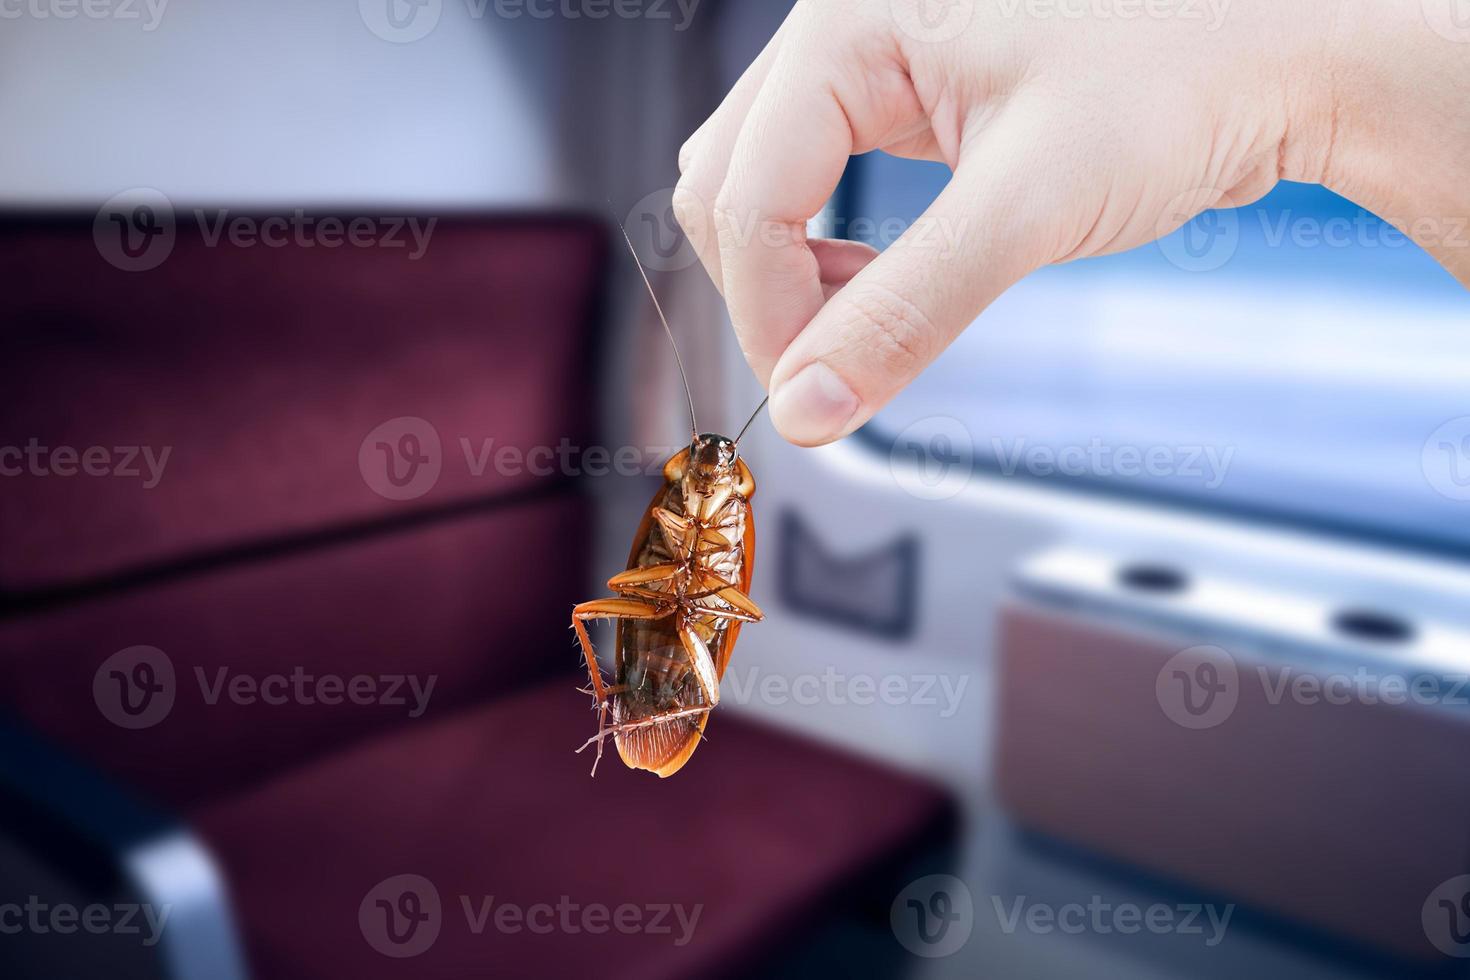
(1068, 136)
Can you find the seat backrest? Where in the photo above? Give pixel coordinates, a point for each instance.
(258, 467)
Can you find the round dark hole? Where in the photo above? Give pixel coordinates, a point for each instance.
(1365, 624)
(1154, 578)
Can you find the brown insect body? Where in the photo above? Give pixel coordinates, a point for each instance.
(681, 600)
(681, 603)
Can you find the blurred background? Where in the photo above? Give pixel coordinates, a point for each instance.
(1131, 641)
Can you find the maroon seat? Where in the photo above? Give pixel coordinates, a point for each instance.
(273, 540)
(492, 805)
(262, 372)
(276, 543)
(430, 602)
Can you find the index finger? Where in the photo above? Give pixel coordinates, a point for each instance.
(786, 163)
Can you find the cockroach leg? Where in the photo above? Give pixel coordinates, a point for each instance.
(656, 595)
(709, 580)
(711, 584)
(708, 584)
(732, 614)
(742, 602)
(607, 609)
(610, 689)
(645, 576)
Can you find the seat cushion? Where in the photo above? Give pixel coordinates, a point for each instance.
(239, 394)
(454, 603)
(492, 809)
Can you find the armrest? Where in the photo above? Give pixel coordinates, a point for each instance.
(91, 841)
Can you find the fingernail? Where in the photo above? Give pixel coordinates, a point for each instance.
(813, 406)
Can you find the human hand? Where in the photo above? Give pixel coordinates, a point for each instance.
(1068, 136)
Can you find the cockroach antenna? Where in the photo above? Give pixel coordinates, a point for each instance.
(693, 425)
(751, 419)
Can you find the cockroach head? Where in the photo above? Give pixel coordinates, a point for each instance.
(712, 454)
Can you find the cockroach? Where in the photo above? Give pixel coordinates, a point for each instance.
(681, 600)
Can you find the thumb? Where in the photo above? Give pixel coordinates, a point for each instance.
(994, 222)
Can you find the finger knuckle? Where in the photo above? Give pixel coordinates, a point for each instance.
(686, 154)
(894, 326)
(689, 207)
(724, 205)
(727, 222)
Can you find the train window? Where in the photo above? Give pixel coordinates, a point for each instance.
(1296, 359)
